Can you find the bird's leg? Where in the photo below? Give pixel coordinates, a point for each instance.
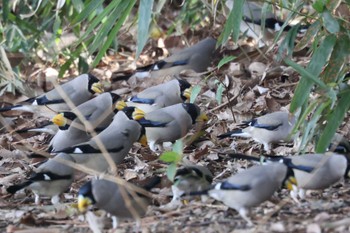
(294, 194)
(114, 222)
(267, 147)
(302, 194)
(243, 212)
(176, 193)
(152, 145)
(55, 200)
(37, 198)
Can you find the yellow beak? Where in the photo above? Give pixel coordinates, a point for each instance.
(202, 118)
(290, 183)
(187, 93)
(83, 203)
(97, 88)
(143, 140)
(59, 120)
(138, 114)
(120, 105)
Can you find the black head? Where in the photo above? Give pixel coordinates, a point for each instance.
(115, 97)
(86, 191)
(69, 115)
(92, 80)
(193, 110)
(129, 111)
(183, 86)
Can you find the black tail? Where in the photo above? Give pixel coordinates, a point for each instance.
(243, 156)
(197, 193)
(152, 183)
(121, 78)
(229, 134)
(9, 108)
(26, 130)
(14, 188)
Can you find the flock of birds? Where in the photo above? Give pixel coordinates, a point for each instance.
(100, 131)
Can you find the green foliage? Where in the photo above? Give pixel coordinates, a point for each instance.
(219, 91)
(323, 78)
(232, 25)
(225, 60)
(195, 92)
(145, 11)
(328, 38)
(173, 157)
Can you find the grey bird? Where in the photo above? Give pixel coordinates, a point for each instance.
(168, 124)
(98, 112)
(114, 198)
(117, 139)
(191, 178)
(51, 179)
(78, 90)
(160, 96)
(260, 24)
(270, 128)
(198, 57)
(308, 171)
(248, 188)
(324, 170)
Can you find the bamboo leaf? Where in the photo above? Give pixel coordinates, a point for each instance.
(178, 147)
(96, 21)
(170, 157)
(225, 60)
(145, 12)
(330, 23)
(5, 10)
(86, 12)
(233, 22)
(114, 32)
(107, 25)
(219, 91)
(311, 73)
(339, 57)
(194, 93)
(334, 120)
(171, 171)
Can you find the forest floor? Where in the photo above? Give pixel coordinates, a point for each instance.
(254, 85)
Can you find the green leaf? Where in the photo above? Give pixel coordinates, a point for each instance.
(170, 157)
(145, 12)
(309, 36)
(233, 23)
(107, 25)
(83, 65)
(305, 73)
(219, 92)
(225, 60)
(194, 93)
(311, 73)
(287, 46)
(334, 120)
(171, 171)
(319, 5)
(57, 26)
(178, 147)
(5, 10)
(97, 21)
(112, 35)
(339, 57)
(309, 127)
(330, 23)
(86, 12)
